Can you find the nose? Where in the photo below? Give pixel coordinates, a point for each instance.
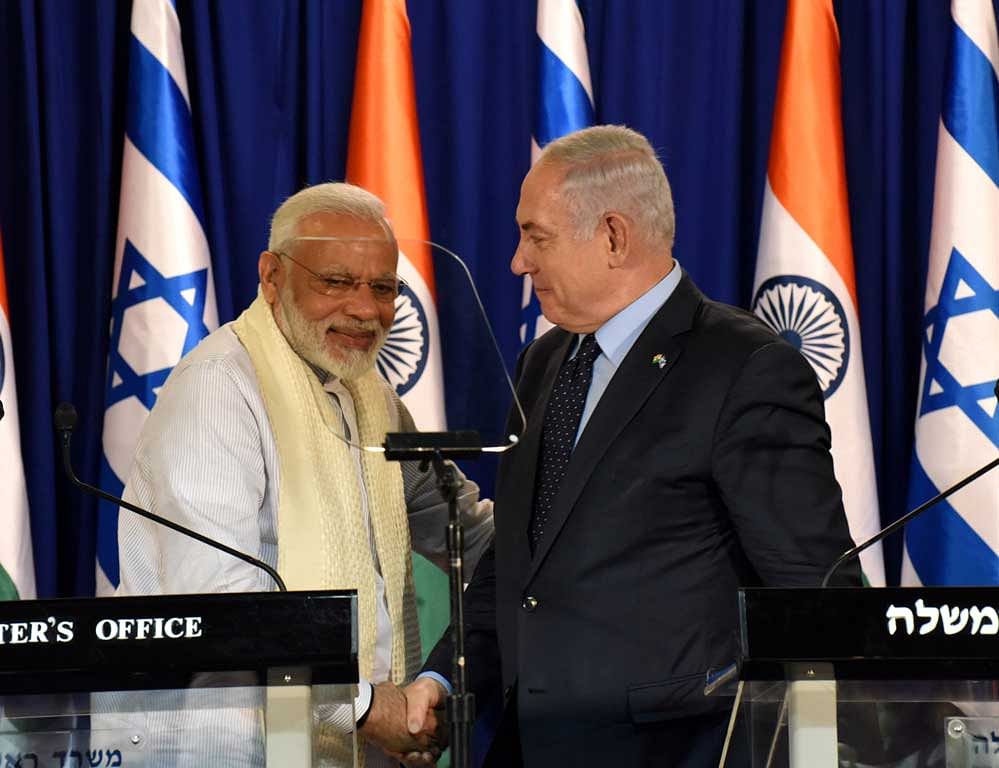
(362, 304)
(519, 265)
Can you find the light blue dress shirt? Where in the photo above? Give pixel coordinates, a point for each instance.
(617, 336)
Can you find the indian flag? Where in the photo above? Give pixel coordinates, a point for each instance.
(805, 287)
(17, 569)
(384, 158)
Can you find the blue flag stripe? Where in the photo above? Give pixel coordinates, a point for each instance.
(565, 106)
(971, 104)
(159, 124)
(944, 549)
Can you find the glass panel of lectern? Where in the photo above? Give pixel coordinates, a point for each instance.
(231, 679)
(830, 678)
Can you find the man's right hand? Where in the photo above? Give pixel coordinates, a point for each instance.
(388, 726)
(423, 696)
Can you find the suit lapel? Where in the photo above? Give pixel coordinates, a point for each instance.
(646, 365)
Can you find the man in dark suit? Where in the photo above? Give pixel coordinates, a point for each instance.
(675, 450)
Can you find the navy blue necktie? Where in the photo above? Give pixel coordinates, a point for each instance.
(558, 434)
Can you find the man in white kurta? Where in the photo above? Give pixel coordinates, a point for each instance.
(253, 442)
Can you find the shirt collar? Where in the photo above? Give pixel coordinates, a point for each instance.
(330, 382)
(618, 334)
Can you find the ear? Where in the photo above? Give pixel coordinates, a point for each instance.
(272, 275)
(618, 232)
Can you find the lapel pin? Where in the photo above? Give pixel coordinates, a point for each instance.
(660, 360)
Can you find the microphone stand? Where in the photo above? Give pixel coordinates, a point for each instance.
(430, 448)
(851, 553)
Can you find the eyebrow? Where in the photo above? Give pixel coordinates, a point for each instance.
(532, 226)
(340, 269)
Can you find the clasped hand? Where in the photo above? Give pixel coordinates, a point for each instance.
(404, 721)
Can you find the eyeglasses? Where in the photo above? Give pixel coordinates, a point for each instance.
(384, 289)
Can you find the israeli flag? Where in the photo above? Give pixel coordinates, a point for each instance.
(957, 424)
(163, 296)
(565, 104)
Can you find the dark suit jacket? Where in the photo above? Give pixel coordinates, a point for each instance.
(690, 480)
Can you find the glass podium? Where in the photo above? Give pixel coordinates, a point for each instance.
(829, 678)
(251, 679)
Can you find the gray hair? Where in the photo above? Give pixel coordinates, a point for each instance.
(331, 197)
(613, 168)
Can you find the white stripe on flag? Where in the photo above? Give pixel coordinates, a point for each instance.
(159, 222)
(956, 224)
(425, 399)
(560, 27)
(157, 27)
(786, 249)
(977, 20)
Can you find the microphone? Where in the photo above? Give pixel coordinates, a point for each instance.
(65, 421)
(852, 553)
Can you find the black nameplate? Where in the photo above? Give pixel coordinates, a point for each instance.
(177, 641)
(417, 446)
(917, 633)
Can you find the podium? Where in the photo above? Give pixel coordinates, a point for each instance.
(176, 680)
(866, 677)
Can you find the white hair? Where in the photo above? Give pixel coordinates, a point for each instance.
(331, 197)
(613, 168)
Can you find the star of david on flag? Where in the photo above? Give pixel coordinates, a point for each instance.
(955, 376)
(176, 304)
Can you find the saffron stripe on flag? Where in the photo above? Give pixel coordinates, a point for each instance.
(384, 157)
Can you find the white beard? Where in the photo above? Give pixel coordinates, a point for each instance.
(309, 342)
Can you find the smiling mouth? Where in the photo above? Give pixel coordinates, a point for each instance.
(353, 339)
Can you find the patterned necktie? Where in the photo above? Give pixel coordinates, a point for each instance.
(558, 435)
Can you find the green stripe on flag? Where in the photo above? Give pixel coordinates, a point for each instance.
(7, 589)
(433, 604)
(433, 607)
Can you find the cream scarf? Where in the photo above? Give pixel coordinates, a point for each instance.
(323, 542)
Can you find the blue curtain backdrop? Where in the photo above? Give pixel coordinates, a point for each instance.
(271, 84)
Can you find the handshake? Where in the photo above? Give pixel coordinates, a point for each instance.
(404, 721)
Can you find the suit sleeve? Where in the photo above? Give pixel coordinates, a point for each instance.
(481, 641)
(481, 644)
(772, 466)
